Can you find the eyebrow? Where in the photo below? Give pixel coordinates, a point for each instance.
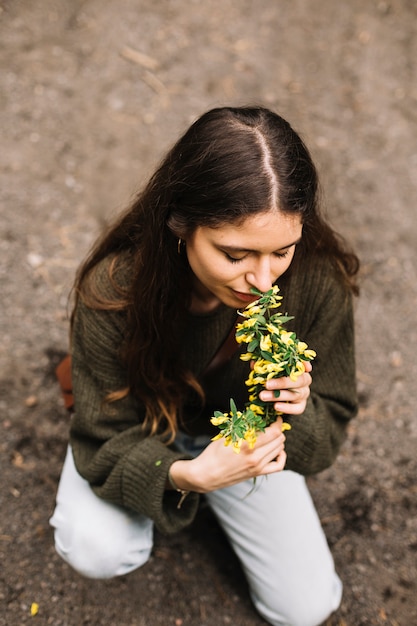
(238, 249)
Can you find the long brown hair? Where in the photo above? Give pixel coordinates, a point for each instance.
(231, 163)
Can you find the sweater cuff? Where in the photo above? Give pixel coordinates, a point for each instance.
(144, 487)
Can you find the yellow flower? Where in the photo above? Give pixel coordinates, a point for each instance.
(301, 347)
(253, 379)
(258, 410)
(247, 356)
(252, 310)
(265, 369)
(216, 437)
(245, 338)
(310, 354)
(286, 337)
(34, 609)
(266, 343)
(299, 369)
(251, 437)
(273, 369)
(285, 426)
(220, 419)
(246, 324)
(260, 366)
(237, 445)
(274, 330)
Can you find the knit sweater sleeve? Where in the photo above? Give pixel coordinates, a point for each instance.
(323, 314)
(111, 451)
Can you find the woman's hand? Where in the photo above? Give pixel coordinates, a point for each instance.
(219, 466)
(293, 395)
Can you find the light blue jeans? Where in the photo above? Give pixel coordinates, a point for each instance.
(275, 532)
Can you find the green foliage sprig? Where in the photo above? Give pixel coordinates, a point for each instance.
(275, 352)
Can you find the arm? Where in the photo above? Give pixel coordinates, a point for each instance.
(122, 464)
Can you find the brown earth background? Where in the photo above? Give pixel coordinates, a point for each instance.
(92, 92)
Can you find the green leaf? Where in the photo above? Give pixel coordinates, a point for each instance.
(253, 345)
(281, 319)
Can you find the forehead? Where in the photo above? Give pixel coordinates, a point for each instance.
(267, 231)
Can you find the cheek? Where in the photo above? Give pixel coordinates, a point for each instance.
(283, 264)
(207, 269)
(221, 273)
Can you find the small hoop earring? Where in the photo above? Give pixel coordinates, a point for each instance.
(179, 245)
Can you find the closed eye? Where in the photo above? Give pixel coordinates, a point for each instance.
(233, 259)
(279, 255)
(282, 255)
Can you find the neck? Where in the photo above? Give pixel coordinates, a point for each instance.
(203, 300)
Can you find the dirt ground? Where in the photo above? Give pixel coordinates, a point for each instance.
(92, 93)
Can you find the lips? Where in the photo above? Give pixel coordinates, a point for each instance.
(244, 297)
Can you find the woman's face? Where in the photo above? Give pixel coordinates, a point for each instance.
(229, 260)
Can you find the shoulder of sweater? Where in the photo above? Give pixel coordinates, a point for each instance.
(112, 276)
(314, 290)
(105, 289)
(314, 278)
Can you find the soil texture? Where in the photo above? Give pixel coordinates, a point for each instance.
(92, 94)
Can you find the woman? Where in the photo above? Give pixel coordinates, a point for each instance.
(233, 206)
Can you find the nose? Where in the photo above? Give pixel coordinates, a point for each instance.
(260, 275)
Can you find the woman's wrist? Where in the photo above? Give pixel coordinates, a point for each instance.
(182, 487)
(180, 477)
(183, 492)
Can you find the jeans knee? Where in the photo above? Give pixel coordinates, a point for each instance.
(293, 616)
(308, 608)
(99, 556)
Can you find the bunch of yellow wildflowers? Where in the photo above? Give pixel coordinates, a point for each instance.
(275, 352)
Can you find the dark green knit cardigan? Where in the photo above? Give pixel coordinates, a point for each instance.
(129, 469)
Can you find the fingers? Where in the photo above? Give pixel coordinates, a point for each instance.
(279, 459)
(218, 466)
(285, 382)
(289, 396)
(291, 401)
(272, 449)
(270, 443)
(275, 466)
(269, 447)
(293, 405)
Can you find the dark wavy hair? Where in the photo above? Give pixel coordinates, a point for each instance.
(230, 164)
